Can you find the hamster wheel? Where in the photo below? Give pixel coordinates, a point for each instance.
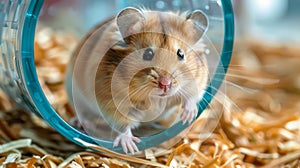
(218, 38)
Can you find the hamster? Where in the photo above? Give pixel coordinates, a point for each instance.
(152, 69)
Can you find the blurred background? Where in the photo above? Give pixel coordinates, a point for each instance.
(275, 21)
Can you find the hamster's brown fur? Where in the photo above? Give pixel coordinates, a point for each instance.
(130, 90)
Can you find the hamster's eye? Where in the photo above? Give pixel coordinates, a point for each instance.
(148, 54)
(180, 54)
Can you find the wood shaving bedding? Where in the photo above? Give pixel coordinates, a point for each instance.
(259, 125)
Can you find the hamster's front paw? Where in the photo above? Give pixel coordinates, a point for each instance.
(127, 141)
(190, 111)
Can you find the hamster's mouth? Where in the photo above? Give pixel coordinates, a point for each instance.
(166, 93)
(162, 95)
(157, 92)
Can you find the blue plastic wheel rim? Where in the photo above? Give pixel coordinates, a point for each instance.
(44, 109)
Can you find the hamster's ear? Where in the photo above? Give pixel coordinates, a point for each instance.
(130, 21)
(200, 24)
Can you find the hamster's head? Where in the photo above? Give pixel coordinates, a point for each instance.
(167, 56)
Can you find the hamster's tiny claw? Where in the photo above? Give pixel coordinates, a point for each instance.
(189, 112)
(127, 141)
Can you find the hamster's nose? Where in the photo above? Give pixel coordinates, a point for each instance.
(164, 82)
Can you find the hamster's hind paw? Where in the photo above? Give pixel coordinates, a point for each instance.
(190, 111)
(127, 141)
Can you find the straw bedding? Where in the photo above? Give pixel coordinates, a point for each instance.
(253, 122)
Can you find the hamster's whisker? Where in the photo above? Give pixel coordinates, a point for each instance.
(247, 90)
(117, 64)
(177, 97)
(185, 72)
(194, 63)
(246, 66)
(230, 83)
(232, 66)
(224, 99)
(190, 71)
(172, 74)
(190, 78)
(185, 94)
(180, 93)
(124, 100)
(153, 76)
(258, 80)
(115, 112)
(138, 92)
(210, 105)
(242, 68)
(127, 98)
